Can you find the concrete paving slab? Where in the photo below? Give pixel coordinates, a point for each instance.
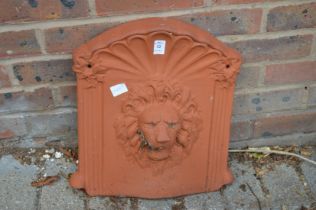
(309, 172)
(285, 188)
(108, 203)
(60, 195)
(163, 204)
(238, 194)
(279, 188)
(16, 192)
(59, 165)
(205, 201)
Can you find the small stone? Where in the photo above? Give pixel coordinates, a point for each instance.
(50, 151)
(9, 52)
(58, 155)
(33, 159)
(32, 151)
(46, 156)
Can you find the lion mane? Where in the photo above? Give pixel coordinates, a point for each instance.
(160, 92)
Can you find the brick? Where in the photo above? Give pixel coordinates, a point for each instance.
(113, 7)
(312, 96)
(285, 124)
(274, 49)
(67, 96)
(12, 127)
(40, 99)
(241, 130)
(31, 10)
(290, 73)
(248, 77)
(4, 77)
(292, 17)
(44, 72)
(69, 38)
(55, 124)
(229, 22)
(18, 43)
(268, 101)
(241, 1)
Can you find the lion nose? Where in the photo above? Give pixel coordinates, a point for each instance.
(163, 136)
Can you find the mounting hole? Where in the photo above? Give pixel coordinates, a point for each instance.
(89, 65)
(227, 66)
(305, 87)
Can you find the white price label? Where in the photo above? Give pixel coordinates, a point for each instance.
(118, 89)
(159, 47)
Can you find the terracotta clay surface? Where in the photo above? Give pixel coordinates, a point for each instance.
(154, 109)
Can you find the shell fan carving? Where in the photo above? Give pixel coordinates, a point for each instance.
(184, 59)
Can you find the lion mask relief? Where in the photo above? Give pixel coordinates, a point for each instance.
(159, 122)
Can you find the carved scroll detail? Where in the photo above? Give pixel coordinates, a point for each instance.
(185, 59)
(158, 124)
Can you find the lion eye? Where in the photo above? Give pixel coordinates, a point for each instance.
(151, 124)
(171, 124)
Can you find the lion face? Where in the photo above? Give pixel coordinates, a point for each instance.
(159, 123)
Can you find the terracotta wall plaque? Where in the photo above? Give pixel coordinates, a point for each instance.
(154, 109)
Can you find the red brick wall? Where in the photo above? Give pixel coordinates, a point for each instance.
(275, 97)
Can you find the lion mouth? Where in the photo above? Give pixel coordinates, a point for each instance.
(153, 148)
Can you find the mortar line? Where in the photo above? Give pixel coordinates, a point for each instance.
(226, 38)
(92, 8)
(32, 58)
(269, 112)
(278, 113)
(308, 95)
(264, 20)
(31, 113)
(268, 89)
(12, 79)
(262, 69)
(56, 96)
(305, 97)
(123, 18)
(208, 3)
(312, 85)
(267, 35)
(31, 88)
(41, 40)
(313, 50)
(298, 138)
(298, 60)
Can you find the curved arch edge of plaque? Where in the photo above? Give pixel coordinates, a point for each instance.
(200, 70)
(85, 56)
